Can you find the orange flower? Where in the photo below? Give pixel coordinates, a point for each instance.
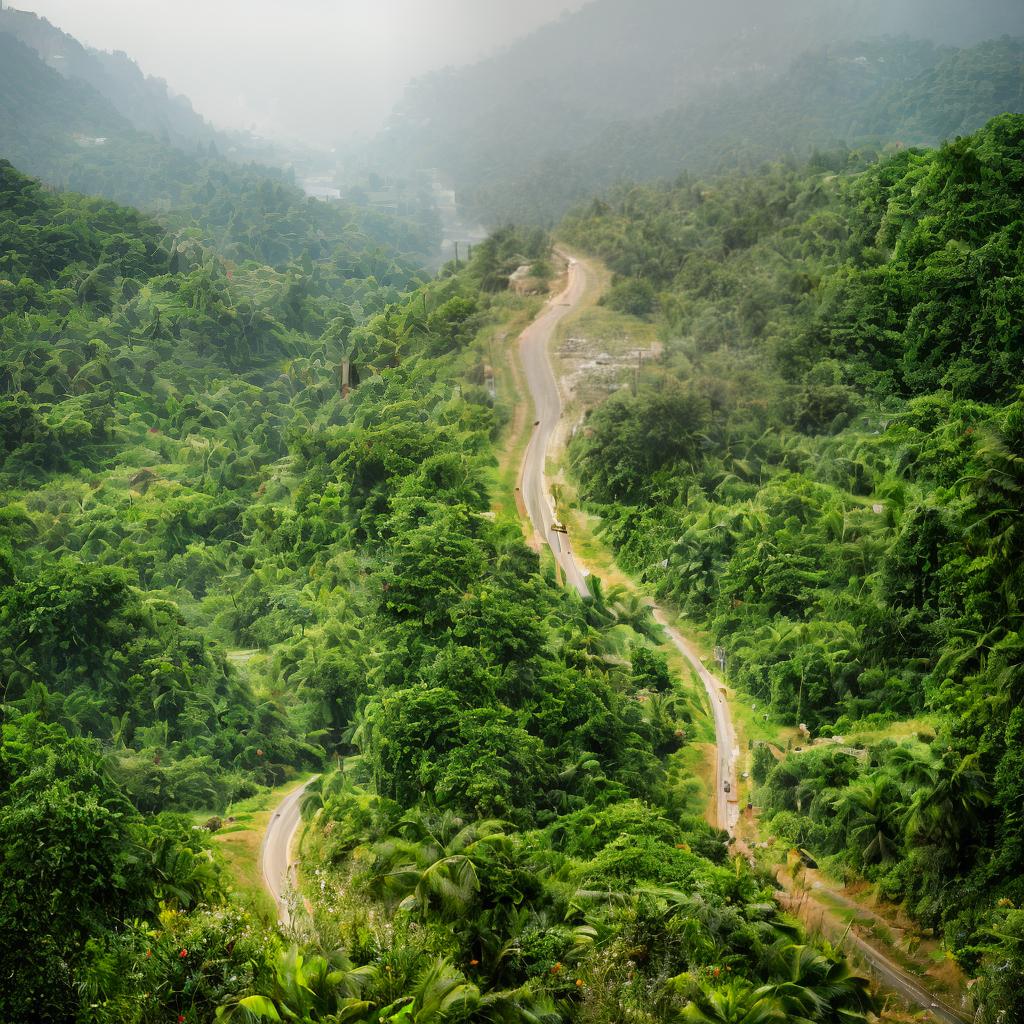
(579, 983)
(474, 963)
(556, 968)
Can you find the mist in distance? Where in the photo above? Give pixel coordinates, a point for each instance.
(441, 74)
(317, 71)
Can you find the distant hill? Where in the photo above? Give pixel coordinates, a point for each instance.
(65, 132)
(145, 103)
(558, 93)
(863, 96)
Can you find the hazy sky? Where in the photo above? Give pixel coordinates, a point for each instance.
(312, 69)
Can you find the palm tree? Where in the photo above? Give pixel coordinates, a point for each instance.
(633, 610)
(433, 864)
(818, 984)
(865, 809)
(306, 989)
(518, 1006)
(442, 992)
(912, 770)
(945, 811)
(736, 1002)
(180, 876)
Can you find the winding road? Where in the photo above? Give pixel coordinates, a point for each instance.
(275, 854)
(547, 402)
(534, 346)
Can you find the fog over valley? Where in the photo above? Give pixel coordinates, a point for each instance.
(315, 71)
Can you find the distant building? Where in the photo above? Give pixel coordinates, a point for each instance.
(385, 200)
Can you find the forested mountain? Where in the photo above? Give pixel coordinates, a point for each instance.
(868, 96)
(64, 131)
(840, 499)
(653, 88)
(144, 102)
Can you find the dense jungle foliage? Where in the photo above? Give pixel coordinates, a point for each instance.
(510, 834)
(830, 459)
(149, 384)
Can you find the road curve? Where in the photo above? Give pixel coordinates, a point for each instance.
(275, 854)
(534, 346)
(727, 809)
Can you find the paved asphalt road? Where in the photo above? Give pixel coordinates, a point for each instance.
(275, 855)
(533, 349)
(534, 344)
(727, 809)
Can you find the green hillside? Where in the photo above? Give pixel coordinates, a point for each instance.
(840, 502)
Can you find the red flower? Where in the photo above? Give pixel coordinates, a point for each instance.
(149, 953)
(181, 1018)
(183, 954)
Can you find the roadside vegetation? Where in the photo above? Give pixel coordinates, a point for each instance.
(828, 460)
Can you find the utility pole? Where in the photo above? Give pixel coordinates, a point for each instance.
(720, 658)
(456, 255)
(636, 370)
